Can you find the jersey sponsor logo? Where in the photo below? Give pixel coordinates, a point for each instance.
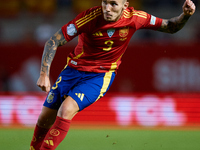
(153, 20)
(50, 97)
(71, 30)
(73, 62)
(98, 34)
(54, 132)
(80, 95)
(124, 32)
(110, 32)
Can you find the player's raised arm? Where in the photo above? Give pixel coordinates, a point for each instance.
(48, 54)
(175, 24)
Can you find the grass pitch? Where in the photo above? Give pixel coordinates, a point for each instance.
(86, 139)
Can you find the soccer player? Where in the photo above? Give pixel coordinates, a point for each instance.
(104, 33)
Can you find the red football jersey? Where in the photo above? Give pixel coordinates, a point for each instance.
(101, 43)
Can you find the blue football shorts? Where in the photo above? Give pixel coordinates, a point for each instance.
(84, 87)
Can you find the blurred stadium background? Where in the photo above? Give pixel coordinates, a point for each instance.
(153, 104)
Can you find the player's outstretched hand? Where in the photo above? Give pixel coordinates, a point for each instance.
(189, 8)
(44, 83)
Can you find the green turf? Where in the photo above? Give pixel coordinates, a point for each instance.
(19, 139)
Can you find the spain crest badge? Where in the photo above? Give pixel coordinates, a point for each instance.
(50, 97)
(124, 32)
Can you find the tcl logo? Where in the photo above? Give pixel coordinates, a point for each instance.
(20, 109)
(147, 111)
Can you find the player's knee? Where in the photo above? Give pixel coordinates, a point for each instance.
(68, 108)
(67, 112)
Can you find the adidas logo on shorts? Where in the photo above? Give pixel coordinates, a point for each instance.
(80, 95)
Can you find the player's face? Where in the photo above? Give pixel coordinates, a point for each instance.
(113, 9)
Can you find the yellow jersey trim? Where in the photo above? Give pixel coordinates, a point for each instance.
(68, 58)
(141, 14)
(106, 82)
(88, 17)
(114, 65)
(79, 55)
(107, 78)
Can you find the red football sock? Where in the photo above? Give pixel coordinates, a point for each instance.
(38, 137)
(56, 134)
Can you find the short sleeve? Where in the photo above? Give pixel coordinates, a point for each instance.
(81, 24)
(70, 30)
(144, 20)
(152, 22)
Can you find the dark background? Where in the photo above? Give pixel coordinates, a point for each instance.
(153, 62)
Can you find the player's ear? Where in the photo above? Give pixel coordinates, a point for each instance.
(126, 4)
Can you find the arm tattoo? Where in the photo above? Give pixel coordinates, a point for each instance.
(174, 24)
(50, 50)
